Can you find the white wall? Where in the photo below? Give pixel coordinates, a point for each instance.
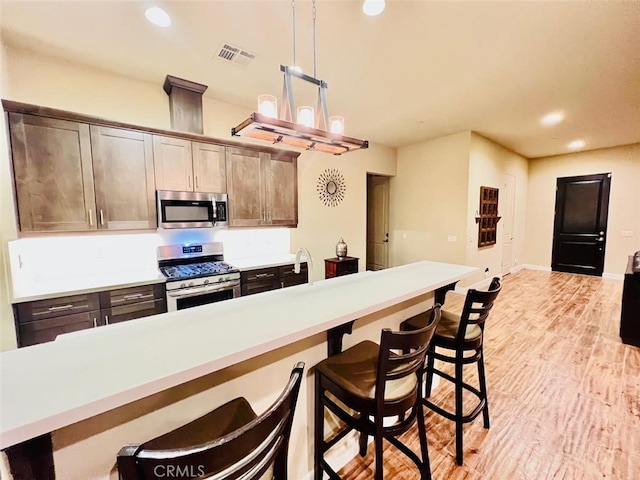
(428, 201)
(624, 202)
(488, 165)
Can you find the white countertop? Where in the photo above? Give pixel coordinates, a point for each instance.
(252, 263)
(86, 374)
(87, 284)
(95, 283)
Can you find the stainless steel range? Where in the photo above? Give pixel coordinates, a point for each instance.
(197, 275)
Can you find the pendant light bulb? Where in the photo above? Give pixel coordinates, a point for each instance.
(268, 106)
(373, 7)
(305, 116)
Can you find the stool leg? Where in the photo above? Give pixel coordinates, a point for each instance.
(459, 411)
(431, 361)
(364, 439)
(424, 446)
(483, 389)
(318, 442)
(377, 440)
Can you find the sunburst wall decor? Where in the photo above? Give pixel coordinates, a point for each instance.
(331, 187)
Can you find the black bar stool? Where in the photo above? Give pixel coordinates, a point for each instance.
(378, 383)
(231, 441)
(462, 336)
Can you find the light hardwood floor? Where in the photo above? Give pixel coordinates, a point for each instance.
(564, 391)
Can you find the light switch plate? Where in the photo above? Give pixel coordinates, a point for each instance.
(452, 238)
(627, 233)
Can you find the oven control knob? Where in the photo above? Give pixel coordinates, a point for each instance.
(191, 284)
(221, 279)
(206, 281)
(182, 285)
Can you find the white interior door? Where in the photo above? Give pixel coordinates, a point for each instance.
(377, 222)
(507, 208)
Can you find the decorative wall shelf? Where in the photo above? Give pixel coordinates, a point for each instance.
(488, 217)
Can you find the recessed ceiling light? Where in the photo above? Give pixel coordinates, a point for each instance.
(576, 145)
(158, 16)
(373, 7)
(552, 119)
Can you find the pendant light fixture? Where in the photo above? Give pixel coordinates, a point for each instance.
(311, 130)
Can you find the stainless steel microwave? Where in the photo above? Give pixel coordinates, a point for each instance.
(191, 209)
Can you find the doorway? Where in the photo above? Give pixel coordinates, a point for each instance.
(580, 224)
(377, 222)
(507, 226)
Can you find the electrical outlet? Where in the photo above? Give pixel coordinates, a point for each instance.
(452, 238)
(627, 233)
(404, 235)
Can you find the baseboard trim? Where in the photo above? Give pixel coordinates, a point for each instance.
(517, 269)
(613, 276)
(540, 268)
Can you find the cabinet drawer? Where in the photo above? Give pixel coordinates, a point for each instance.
(56, 307)
(131, 311)
(260, 274)
(261, 285)
(131, 295)
(40, 331)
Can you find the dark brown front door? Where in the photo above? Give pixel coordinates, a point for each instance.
(580, 227)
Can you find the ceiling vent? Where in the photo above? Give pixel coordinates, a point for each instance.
(234, 54)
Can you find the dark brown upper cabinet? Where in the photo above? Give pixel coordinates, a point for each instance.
(263, 188)
(53, 174)
(124, 181)
(75, 172)
(183, 165)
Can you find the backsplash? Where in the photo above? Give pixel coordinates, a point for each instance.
(47, 259)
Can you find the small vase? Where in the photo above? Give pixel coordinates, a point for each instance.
(341, 249)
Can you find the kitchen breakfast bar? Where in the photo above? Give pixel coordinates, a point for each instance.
(90, 392)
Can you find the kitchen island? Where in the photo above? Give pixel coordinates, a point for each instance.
(102, 388)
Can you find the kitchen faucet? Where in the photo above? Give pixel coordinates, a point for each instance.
(296, 267)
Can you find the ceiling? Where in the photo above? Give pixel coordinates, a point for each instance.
(418, 71)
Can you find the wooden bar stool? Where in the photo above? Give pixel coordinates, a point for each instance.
(231, 442)
(378, 382)
(462, 335)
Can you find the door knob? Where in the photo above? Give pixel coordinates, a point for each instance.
(600, 239)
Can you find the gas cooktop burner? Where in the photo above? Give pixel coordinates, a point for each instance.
(197, 270)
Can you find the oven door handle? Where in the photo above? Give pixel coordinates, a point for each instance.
(192, 292)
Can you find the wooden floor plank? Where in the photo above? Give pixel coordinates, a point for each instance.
(564, 392)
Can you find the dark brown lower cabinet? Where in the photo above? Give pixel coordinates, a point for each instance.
(131, 303)
(289, 278)
(43, 320)
(272, 278)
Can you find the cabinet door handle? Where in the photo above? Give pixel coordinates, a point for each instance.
(61, 307)
(95, 322)
(101, 218)
(90, 218)
(264, 218)
(197, 185)
(133, 296)
(106, 319)
(189, 179)
(263, 275)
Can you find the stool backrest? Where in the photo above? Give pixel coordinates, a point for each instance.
(477, 306)
(402, 354)
(247, 453)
